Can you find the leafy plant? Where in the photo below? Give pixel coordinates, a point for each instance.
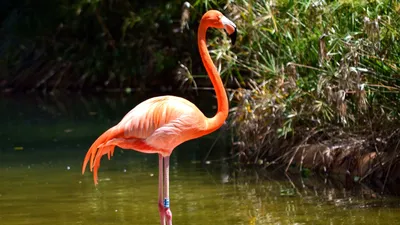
(311, 70)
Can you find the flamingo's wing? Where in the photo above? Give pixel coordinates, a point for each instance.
(164, 122)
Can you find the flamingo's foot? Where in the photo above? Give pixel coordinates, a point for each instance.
(161, 209)
(168, 216)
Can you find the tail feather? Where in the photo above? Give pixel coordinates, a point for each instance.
(102, 151)
(99, 148)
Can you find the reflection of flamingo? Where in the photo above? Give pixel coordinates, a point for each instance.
(159, 124)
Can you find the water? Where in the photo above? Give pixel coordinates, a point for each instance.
(44, 140)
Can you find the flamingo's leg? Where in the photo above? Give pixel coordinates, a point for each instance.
(168, 213)
(160, 190)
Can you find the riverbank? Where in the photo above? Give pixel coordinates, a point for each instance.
(315, 85)
(324, 90)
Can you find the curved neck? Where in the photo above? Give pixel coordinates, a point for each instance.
(218, 120)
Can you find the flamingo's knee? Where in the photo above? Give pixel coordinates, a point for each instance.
(162, 212)
(160, 206)
(168, 215)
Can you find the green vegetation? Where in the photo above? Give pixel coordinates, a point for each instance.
(91, 45)
(316, 82)
(320, 84)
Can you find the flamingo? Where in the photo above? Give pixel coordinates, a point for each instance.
(158, 125)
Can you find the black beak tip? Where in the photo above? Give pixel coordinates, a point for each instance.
(233, 37)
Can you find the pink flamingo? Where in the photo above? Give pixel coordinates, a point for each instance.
(159, 124)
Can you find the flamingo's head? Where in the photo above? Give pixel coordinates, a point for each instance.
(216, 19)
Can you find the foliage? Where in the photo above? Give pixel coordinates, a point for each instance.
(312, 71)
(93, 45)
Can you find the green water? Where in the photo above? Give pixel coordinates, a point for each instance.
(44, 140)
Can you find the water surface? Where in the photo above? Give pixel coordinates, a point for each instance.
(44, 140)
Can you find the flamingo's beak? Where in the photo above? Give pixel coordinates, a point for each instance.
(230, 28)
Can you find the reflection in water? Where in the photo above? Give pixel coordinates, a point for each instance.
(43, 145)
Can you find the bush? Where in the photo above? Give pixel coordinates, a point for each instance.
(313, 72)
(90, 45)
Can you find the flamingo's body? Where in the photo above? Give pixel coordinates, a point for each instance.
(156, 125)
(159, 124)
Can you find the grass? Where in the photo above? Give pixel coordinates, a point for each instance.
(314, 72)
